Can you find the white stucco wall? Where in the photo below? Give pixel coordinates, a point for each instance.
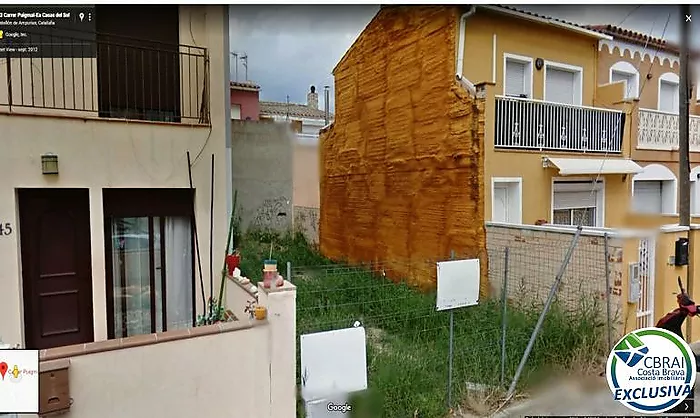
(97, 153)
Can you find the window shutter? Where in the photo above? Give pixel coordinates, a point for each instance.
(668, 97)
(500, 204)
(560, 85)
(627, 78)
(647, 196)
(571, 200)
(515, 78)
(616, 77)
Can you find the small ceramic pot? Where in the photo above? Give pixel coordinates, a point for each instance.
(260, 313)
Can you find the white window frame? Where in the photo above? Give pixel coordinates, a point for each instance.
(578, 78)
(695, 190)
(671, 78)
(659, 172)
(559, 184)
(626, 68)
(518, 183)
(233, 112)
(528, 61)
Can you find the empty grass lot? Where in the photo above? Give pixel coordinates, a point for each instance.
(408, 341)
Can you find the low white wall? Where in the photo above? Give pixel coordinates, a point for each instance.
(215, 375)
(245, 368)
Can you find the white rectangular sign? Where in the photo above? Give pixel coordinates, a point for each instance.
(333, 362)
(458, 284)
(19, 381)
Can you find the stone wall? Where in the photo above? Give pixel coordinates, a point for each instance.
(402, 165)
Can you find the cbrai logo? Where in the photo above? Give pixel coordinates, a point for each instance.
(651, 370)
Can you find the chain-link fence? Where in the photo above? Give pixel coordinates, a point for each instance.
(410, 345)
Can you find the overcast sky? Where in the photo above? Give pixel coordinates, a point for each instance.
(290, 48)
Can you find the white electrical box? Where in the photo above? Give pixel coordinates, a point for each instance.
(635, 285)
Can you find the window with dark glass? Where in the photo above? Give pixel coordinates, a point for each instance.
(139, 62)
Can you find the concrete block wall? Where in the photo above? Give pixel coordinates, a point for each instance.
(535, 257)
(262, 173)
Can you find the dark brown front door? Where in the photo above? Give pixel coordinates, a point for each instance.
(56, 270)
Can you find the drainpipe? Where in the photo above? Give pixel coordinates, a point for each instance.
(460, 44)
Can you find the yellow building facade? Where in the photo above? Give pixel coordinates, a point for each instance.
(557, 134)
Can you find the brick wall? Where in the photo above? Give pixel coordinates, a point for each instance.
(402, 166)
(534, 259)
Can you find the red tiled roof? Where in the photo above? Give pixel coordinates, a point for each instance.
(639, 38)
(244, 85)
(635, 37)
(292, 109)
(537, 15)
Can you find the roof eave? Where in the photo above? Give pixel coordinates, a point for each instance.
(566, 26)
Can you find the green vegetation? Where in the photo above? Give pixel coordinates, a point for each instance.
(407, 350)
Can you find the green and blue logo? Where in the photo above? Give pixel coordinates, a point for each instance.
(651, 370)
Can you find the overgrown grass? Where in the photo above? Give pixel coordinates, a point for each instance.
(408, 341)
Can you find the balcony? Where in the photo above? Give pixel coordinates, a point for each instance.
(659, 131)
(544, 126)
(94, 75)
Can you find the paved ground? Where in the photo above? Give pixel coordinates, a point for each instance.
(588, 397)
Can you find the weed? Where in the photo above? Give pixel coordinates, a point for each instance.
(407, 350)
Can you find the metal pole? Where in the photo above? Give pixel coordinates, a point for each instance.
(607, 291)
(504, 320)
(451, 354)
(683, 121)
(211, 240)
(326, 104)
(547, 305)
(684, 134)
(289, 271)
(196, 236)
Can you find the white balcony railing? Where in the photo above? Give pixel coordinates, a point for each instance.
(659, 131)
(540, 125)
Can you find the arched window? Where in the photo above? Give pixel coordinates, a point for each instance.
(654, 190)
(625, 72)
(695, 190)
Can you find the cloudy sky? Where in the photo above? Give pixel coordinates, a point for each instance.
(290, 48)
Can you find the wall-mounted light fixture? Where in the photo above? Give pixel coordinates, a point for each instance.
(539, 63)
(49, 164)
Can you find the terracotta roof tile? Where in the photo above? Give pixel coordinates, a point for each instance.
(245, 85)
(291, 109)
(515, 9)
(635, 37)
(642, 39)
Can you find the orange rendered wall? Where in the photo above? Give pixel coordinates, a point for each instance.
(402, 166)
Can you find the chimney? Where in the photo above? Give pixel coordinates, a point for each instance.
(312, 98)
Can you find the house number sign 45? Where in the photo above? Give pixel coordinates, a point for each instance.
(5, 229)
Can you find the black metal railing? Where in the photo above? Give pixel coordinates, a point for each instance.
(538, 125)
(110, 76)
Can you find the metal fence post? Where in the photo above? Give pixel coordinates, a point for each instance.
(289, 271)
(547, 305)
(607, 290)
(504, 319)
(451, 350)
